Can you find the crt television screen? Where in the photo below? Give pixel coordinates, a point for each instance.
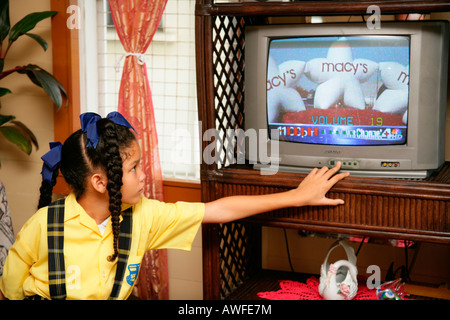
(349, 90)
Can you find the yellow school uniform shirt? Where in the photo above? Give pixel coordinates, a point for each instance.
(89, 275)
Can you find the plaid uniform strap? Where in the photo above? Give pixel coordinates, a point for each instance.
(55, 239)
(56, 265)
(124, 251)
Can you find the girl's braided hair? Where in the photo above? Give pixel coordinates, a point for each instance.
(78, 163)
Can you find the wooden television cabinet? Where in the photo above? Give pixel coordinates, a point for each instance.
(374, 207)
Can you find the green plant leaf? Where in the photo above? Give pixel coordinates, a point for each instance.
(4, 119)
(30, 74)
(50, 84)
(17, 137)
(2, 64)
(28, 23)
(4, 91)
(27, 132)
(8, 122)
(4, 19)
(38, 39)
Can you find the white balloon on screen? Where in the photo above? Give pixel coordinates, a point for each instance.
(353, 94)
(313, 70)
(405, 117)
(291, 101)
(339, 76)
(337, 88)
(273, 105)
(364, 69)
(328, 93)
(392, 101)
(394, 75)
(283, 100)
(292, 70)
(340, 51)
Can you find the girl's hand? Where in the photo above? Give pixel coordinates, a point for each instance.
(313, 189)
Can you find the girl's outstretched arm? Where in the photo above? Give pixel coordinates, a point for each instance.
(311, 192)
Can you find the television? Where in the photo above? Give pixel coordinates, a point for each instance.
(374, 99)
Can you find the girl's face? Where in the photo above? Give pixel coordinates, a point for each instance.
(133, 176)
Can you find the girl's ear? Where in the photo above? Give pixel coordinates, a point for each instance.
(99, 182)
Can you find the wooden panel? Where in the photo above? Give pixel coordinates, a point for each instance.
(415, 210)
(375, 216)
(66, 70)
(325, 7)
(176, 190)
(239, 254)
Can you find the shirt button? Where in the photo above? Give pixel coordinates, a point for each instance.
(104, 275)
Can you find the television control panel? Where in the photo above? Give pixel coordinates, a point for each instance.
(345, 164)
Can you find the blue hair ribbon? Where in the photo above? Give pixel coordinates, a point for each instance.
(89, 125)
(51, 160)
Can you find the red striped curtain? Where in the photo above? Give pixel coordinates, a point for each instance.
(136, 21)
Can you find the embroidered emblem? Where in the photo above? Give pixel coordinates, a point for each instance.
(134, 270)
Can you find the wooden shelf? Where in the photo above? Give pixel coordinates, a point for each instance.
(310, 8)
(391, 208)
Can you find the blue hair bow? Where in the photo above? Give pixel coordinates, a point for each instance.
(89, 125)
(51, 160)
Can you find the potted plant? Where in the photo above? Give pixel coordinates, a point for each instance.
(16, 131)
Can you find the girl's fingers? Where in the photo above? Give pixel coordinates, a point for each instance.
(333, 170)
(328, 173)
(334, 202)
(338, 177)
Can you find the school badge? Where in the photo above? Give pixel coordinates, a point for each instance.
(133, 272)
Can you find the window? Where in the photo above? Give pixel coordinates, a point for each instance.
(170, 61)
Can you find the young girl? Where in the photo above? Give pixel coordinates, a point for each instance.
(94, 248)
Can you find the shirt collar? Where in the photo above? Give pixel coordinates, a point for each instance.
(74, 209)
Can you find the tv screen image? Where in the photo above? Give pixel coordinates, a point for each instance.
(339, 90)
(374, 99)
